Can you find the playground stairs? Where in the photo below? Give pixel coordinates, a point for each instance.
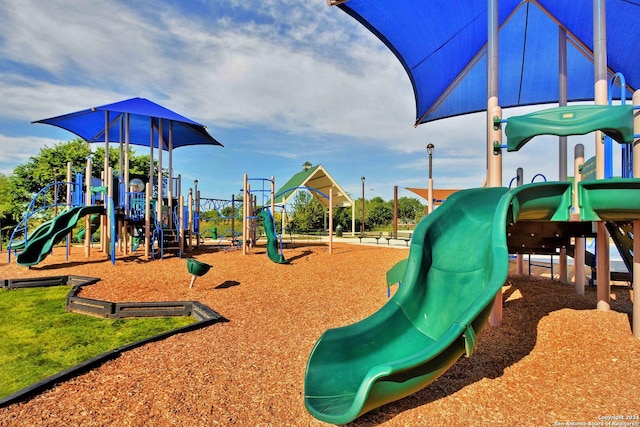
(171, 239)
(622, 235)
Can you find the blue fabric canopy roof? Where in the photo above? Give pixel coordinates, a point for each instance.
(442, 46)
(89, 124)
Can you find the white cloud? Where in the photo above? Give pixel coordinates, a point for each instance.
(18, 150)
(28, 99)
(224, 74)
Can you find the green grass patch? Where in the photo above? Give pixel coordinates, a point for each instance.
(40, 339)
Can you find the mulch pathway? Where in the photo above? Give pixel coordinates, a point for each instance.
(554, 360)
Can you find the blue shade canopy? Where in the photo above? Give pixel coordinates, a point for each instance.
(442, 46)
(144, 115)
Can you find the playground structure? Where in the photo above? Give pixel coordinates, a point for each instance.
(159, 224)
(133, 217)
(447, 297)
(314, 179)
(252, 211)
(156, 213)
(319, 183)
(227, 214)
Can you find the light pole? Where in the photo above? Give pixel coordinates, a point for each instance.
(362, 223)
(430, 148)
(196, 199)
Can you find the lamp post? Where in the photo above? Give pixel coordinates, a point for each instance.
(362, 223)
(196, 198)
(430, 148)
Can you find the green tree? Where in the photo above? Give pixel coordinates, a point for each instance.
(50, 165)
(5, 197)
(138, 165)
(410, 210)
(307, 213)
(380, 213)
(342, 216)
(6, 218)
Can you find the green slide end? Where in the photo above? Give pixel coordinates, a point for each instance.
(458, 261)
(39, 247)
(616, 199)
(272, 241)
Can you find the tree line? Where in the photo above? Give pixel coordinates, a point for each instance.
(307, 213)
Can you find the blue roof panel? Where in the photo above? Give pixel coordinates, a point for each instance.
(442, 46)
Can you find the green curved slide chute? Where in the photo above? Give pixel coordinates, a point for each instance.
(272, 240)
(38, 247)
(94, 225)
(457, 263)
(42, 228)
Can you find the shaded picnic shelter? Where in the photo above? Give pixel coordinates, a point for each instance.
(319, 182)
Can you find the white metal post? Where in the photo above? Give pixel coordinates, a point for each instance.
(494, 161)
(601, 98)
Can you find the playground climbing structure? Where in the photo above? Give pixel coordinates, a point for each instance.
(447, 297)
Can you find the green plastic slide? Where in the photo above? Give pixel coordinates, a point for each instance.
(42, 228)
(457, 263)
(616, 199)
(615, 121)
(95, 224)
(40, 246)
(272, 240)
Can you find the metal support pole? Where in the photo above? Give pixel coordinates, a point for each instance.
(519, 257)
(636, 226)
(160, 201)
(362, 223)
(562, 140)
(196, 210)
(68, 202)
(330, 220)
(147, 221)
(494, 161)
(578, 259)
(395, 211)
(245, 214)
(601, 98)
(430, 148)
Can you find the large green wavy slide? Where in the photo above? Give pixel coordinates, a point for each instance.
(457, 262)
(272, 240)
(39, 246)
(19, 245)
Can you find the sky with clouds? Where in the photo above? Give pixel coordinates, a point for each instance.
(277, 83)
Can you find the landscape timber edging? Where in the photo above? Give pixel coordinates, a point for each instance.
(204, 315)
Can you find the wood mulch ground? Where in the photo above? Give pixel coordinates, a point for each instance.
(554, 360)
